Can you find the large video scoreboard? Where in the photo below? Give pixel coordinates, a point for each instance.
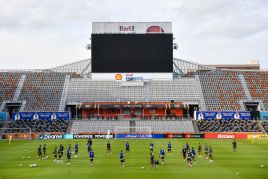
(144, 51)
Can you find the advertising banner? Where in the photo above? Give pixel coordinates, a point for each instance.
(93, 136)
(226, 135)
(3, 116)
(131, 27)
(138, 136)
(264, 115)
(40, 115)
(206, 115)
(175, 136)
(257, 136)
(50, 137)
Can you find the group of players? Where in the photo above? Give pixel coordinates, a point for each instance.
(188, 153)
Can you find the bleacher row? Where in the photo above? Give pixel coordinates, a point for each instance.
(124, 126)
(222, 90)
(37, 126)
(102, 127)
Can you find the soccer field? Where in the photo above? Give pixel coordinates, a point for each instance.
(245, 163)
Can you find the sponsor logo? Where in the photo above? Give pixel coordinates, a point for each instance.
(127, 28)
(170, 136)
(225, 136)
(90, 136)
(80, 136)
(154, 29)
(131, 77)
(48, 137)
(118, 76)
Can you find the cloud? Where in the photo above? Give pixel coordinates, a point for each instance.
(41, 34)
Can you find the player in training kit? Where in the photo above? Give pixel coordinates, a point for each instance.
(193, 155)
(88, 147)
(187, 146)
(183, 152)
(127, 147)
(210, 153)
(152, 160)
(199, 151)
(109, 148)
(61, 150)
(169, 148)
(89, 141)
(45, 151)
(55, 152)
(206, 151)
(162, 155)
(91, 157)
(75, 149)
(60, 154)
(151, 147)
(122, 158)
(68, 153)
(234, 146)
(39, 152)
(189, 158)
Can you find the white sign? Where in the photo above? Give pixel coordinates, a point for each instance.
(132, 76)
(131, 27)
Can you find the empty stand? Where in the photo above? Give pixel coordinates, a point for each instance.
(20, 126)
(233, 125)
(97, 126)
(258, 86)
(42, 91)
(167, 126)
(222, 90)
(8, 85)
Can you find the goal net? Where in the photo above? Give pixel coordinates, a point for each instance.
(133, 132)
(15, 133)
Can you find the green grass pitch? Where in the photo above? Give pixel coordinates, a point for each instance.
(245, 163)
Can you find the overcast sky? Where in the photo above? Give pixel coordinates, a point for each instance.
(47, 33)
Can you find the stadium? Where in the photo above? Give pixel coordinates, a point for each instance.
(133, 89)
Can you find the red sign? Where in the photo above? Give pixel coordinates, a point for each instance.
(226, 135)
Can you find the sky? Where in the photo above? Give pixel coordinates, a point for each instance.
(38, 34)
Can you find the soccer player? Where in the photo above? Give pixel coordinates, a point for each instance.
(55, 152)
(151, 147)
(187, 146)
(88, 147)
(39, 152)
(68, 153)
(234, 146)
(91, 157)
(122, 158)
(109, 148)
(60, 154)
(184, 152)
(193, 155)
(210, 153)
(199, 151)
(61, 150)
(189, 159)
(90, 142)
(75, 150)
(206, 151)
(127, 147)
(162, 156)
(152, 160)
(45, 151)
(169, 148)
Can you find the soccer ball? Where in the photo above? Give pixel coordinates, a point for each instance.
(262, 166)
(142, 167)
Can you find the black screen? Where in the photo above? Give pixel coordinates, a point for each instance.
(143, 53)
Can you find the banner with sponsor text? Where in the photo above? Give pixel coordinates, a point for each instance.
(40, 115)
(206, 115)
